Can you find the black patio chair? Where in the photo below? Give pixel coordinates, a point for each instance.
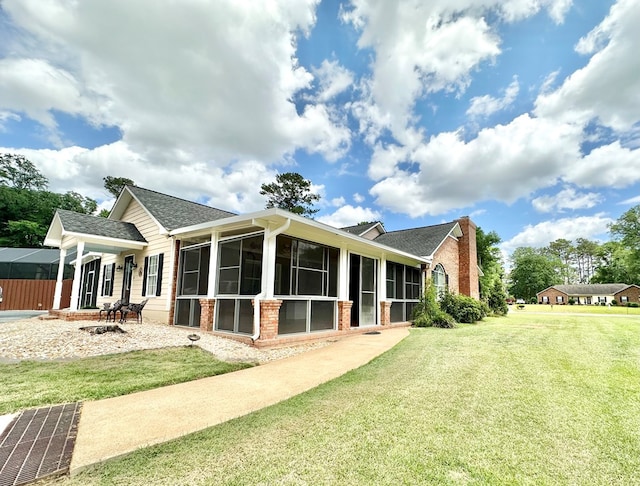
(137, 308)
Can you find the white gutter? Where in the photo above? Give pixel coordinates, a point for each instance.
(266, 255)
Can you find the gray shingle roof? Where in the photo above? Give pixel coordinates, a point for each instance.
(94, 225)
(422, 241)
(358, 229)
(172, 212)
(591, 289)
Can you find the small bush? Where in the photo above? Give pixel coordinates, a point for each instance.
(614, 302)
(533, 300)
(463, 309)
(572, 301)
(497, 299)
(428, 313)
(633, 304)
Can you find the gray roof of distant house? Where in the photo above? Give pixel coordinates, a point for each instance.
(172, 212)
(591, 289)
(95, 225)
(422, 241)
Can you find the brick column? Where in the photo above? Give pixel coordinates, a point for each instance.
(269, 319)
(207, 306)
(385, 313)
(344, 315)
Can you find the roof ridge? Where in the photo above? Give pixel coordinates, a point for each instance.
(420, 227)
(179, 198)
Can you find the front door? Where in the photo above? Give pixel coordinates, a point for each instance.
(362, 291)
(90, 284)
(127, 275)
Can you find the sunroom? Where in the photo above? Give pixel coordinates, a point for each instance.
(273, 274)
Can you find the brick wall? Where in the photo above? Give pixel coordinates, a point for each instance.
(468, 258)
(385, 313)
(344, 315)
(552, 294)
(448, 256)
(269, 319)
(632, 293)
(207, 308)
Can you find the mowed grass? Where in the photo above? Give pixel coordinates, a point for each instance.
(34, 384)
(577, 309)
(526, 399)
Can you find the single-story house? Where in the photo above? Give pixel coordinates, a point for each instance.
(590, 294)
(267, 277)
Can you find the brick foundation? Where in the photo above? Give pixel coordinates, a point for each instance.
(385, 313)
(269, 319)
(207, 308)
(344, 315)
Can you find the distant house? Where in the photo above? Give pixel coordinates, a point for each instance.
(590, 294)
(266, 277)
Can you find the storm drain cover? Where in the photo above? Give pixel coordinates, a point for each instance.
(38, 443)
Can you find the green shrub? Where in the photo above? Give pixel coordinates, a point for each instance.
(572, 301)
(462, 308)
(497, 299)
(428, 313)
(633, 304)
(533, 300)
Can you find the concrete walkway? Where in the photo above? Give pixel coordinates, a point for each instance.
(116, 426)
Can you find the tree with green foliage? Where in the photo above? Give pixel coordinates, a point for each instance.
(26, 208)
(489, 260)
(563, 251)
(626, 230)
(292, 192)
(115, 184)
(585, 259)
(613, 264)
(532, 271)
(19, 172)
(497, 299)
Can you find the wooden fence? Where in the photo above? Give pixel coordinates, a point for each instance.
(33, 294)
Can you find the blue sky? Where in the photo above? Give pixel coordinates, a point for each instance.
(523, 114)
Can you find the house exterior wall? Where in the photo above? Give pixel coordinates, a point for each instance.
(632, 293)
(448, 256)
(157, 308)
(552, 295)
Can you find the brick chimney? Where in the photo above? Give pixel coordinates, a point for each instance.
(468, 258)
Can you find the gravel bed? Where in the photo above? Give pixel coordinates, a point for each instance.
(35, 339)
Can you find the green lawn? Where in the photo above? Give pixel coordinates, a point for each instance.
(33, 384)
(577, 309)
(527, 399)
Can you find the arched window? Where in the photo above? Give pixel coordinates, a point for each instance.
(439, 280)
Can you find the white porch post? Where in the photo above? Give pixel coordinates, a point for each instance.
(343, 274)
(213, 265)
(77, 275)
(268, 264)
(382, 285)
(57, 295)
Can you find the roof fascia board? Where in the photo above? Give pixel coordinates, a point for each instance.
(453, 234)
(88, 238)
(122, 207)
(249, 220)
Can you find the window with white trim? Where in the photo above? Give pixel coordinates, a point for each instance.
(152, 280)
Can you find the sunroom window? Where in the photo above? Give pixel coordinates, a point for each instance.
(308, 272)
(403, 290)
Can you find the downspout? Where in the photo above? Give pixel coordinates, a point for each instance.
(266, 255)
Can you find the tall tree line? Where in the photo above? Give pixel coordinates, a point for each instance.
(580, 262)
